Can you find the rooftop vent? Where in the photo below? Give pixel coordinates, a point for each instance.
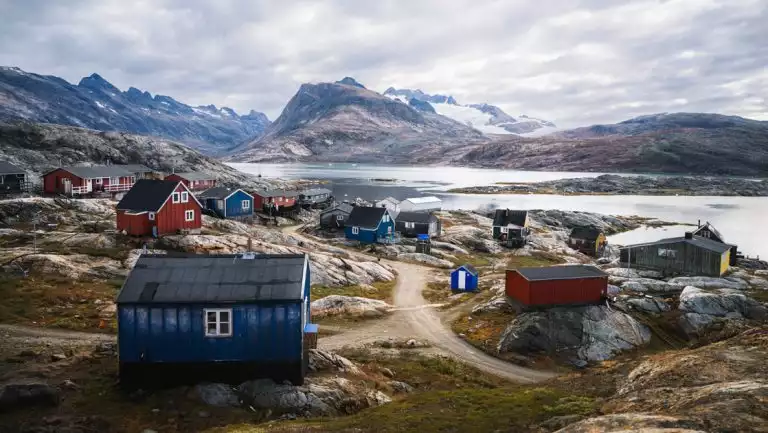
(688, 235)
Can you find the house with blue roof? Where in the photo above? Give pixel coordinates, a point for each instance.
(227, 202)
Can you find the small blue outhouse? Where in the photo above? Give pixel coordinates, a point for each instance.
(370, 225)
(464, 279)
(227, 202)
(227, 318)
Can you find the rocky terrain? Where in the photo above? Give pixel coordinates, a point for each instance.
(609, 184)
(40, 147)
(94, 103)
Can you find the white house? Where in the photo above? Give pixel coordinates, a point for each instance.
(420, 204)
(391, 204)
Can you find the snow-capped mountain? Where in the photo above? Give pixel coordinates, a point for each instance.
(486, 118)
(97, 104)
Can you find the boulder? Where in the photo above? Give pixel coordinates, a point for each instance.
(622, 272)
(496, 304)
(635, 422)
(643, 285)
(710, 282)
(336, 305)
(320, 360)
(425, 259)
(217, 394)
(401, 387)
(592, 333)
(720, 303)
(647, 304)
(19, 395)
(695, 324)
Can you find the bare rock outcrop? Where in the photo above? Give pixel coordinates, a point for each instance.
(349, 306)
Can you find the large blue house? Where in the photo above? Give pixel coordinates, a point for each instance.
(189, 318)
(227, 202)
(369, 225)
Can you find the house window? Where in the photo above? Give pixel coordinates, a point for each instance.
(246, 204)
(504, 229)
(185, 197)
(114, 180)
(218, 322)
(410, 225)
(339, 217)
(132, 179)
(670, 254)
(385, 218)
(151, 216)
(705, 234)
(189, 215)
(98, 181)
(355, 230)
(220, 204)
(176, 197)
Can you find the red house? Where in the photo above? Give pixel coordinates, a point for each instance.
(193, 180)
(556, 285)
(276, 199)
(79, 180)
(157, 208)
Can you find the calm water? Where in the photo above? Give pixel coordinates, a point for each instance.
(741, 220)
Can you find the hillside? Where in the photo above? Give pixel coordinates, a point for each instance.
(39, 147)
(346, 122)
(95, 103)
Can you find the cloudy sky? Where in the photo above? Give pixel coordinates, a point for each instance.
(574, 62)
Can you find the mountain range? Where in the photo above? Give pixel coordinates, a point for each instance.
(343, 121)
(95, 103)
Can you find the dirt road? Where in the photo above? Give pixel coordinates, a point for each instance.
(415, 318)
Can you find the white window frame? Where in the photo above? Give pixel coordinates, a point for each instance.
(217, 322)
(410, 225)
(98, 180)
(504, 229)
(114, 181)
(667, 253)
(339, 217)
(185, 197)
(355, 230)
(220, 204)
(189, 215)
(175, 197)
(246, 204)
(151, 216)
(385, 218)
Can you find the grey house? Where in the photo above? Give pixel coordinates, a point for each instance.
(335, 217)
(13, 179)
(689, 255)
(412, 224)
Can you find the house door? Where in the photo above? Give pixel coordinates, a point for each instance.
(154, 231)
(67, 184)
(88, 185)
(462, 279)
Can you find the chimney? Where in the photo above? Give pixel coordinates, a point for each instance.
(688, 235)
(699, 224)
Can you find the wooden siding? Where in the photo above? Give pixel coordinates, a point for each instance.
(52, 182)
(555, 292)
(688, 259)
(134, 225)
(589, 247)
(170, 218)
(12, 183)
(197, 185)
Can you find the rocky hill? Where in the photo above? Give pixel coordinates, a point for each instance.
(343, 121)
(96, 104)
(39, 147)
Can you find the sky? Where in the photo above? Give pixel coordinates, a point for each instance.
(574, 62)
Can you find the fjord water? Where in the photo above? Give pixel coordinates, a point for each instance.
(740, 219)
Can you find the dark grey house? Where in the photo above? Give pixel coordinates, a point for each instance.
(335, 217)
(412, 224)
(708, 231)
(317, 197)
(13, 180)
(510, 227)
(689, 255)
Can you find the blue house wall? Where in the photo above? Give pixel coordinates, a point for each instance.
(234, 205)
(470, 281)
(368, 236)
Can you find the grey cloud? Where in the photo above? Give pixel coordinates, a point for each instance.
(574, 62)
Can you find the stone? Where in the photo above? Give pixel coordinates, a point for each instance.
(155, 410)
(647, 304)
(217, 394)
(320, 360)
(56, 357)
(643, 285)
(592, 333)
(353, 306)
(68, 384)
(634, 422)
(29, 354)
(426, 259)
(17, 395)
(387, 372)
(411, 343)
(496, 304)
(695, 324)
(401, 387)
(719, 303)
(558, 422)
(710, 282)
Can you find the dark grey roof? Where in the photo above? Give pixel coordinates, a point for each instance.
(137, 168)
(566, 272)
(195, 175)
(711, 229)
(8, 168)
(365, 217)
(218, 192)
(341, 207)
(471, 269)
(315, 191)
(99, 171)
(503, 217)
(147, 195)
(589, 233)
(277, 193)
(415, 217)
(697, 241)
(214, 279)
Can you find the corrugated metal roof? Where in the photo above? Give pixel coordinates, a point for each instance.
(315, 191)
(195, 175)
(504, 217)
(471, 269)
(214, 278)
(415, 217)
(147, 195)
(219, 192)
(366, 217)
(566, 272)
(341, 207)
(697, 241)
(100, 171)
(8, 168)
(424, 200)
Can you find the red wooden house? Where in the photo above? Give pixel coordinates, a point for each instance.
(193, 180)
(158, 207)
(556, 285)
(275, 199)
(80, 180)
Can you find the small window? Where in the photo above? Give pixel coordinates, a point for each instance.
(220, 204)
(176, 197)
(670, 254)
(504, 229)
(114, 181)
(132, 179)
(151, 216)
(385, 218)
(355, 230)
(339, 217)
(246, 204)
(185, 197)
(189, 215)
(218, 322)
(98, 181)
(410, 225)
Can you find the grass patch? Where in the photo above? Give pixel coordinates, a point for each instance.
(483, 331)
(536, 260)
(382, 290)
(441, 293)
(476, 260)
(58, 302)
(114, 253)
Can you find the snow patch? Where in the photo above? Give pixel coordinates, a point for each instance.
(471, 117)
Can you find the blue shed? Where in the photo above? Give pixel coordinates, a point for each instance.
(369, 225)
(229, 318)
(227, 202)
(464, 279)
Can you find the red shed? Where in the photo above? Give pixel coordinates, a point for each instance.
(194, 181)
(557, 285)
(158, 207)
